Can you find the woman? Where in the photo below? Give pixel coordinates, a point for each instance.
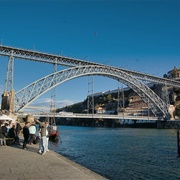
(32, 133)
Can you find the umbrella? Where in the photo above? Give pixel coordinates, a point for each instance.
(6, 118)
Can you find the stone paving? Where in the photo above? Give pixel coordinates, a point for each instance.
(17, 163)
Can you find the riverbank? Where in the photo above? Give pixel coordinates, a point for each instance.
(17, 163)
(169, 124)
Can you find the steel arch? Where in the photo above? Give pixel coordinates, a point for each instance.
(39, 87)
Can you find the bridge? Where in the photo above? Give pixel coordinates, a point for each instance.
(17, 101)
(94, 116)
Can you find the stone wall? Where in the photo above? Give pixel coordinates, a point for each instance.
(8, 101)
(174, 124)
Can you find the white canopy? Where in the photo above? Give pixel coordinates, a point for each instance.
(6, 118)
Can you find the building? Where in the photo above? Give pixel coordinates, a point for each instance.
(173, 74)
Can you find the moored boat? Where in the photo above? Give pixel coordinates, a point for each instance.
(54, 135)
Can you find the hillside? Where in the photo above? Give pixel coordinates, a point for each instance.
(108, 102)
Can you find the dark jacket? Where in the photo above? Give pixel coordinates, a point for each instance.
(1, 135)
(12, 133)
(26, 131)
(4, 131)
(18, 128)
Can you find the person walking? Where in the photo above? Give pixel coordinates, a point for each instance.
(26, 134)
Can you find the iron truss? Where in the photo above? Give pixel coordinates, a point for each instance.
(66, 61)
(39, 87)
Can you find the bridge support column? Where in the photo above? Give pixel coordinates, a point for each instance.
(8, 101)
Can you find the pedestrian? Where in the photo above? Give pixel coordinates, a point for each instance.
(12, 133)
(43, 138)
(32, 133)
(48, 131)
(18, 129)
(9, 125)
(2, 137)
(4, 130)
(26, 134)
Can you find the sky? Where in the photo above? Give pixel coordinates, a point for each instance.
(139, 35)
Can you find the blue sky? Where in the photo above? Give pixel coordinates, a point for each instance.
(140, 35)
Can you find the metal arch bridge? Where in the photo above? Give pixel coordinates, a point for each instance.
(37, 88)
(130, 78)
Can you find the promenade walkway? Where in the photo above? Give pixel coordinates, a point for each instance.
(17, 163)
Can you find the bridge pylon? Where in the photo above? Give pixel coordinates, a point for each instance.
(8, 101)
(90, 98)
(8, 96)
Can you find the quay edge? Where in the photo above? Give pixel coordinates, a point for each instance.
(169, 124)
(17, 163)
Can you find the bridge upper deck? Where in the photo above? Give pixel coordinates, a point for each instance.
(66, 61)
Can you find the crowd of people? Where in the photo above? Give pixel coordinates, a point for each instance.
(30, 137)
(31, 134)
(9, 130)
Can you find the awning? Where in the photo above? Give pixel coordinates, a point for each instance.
(6, 118)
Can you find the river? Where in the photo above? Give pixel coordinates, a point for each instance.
(121, 153)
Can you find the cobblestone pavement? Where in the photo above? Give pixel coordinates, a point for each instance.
(17, 163)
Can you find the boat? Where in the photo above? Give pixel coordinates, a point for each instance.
(54, 135)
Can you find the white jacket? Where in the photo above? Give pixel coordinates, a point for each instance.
(32, 129)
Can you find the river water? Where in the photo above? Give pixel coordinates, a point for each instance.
(122, 153)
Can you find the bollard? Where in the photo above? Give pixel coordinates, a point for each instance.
(178, 144)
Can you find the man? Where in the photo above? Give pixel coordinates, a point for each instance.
(4, 130)
(43, 138)
(26, 134)
(48, 131)
(18, 129)
(2, 137)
